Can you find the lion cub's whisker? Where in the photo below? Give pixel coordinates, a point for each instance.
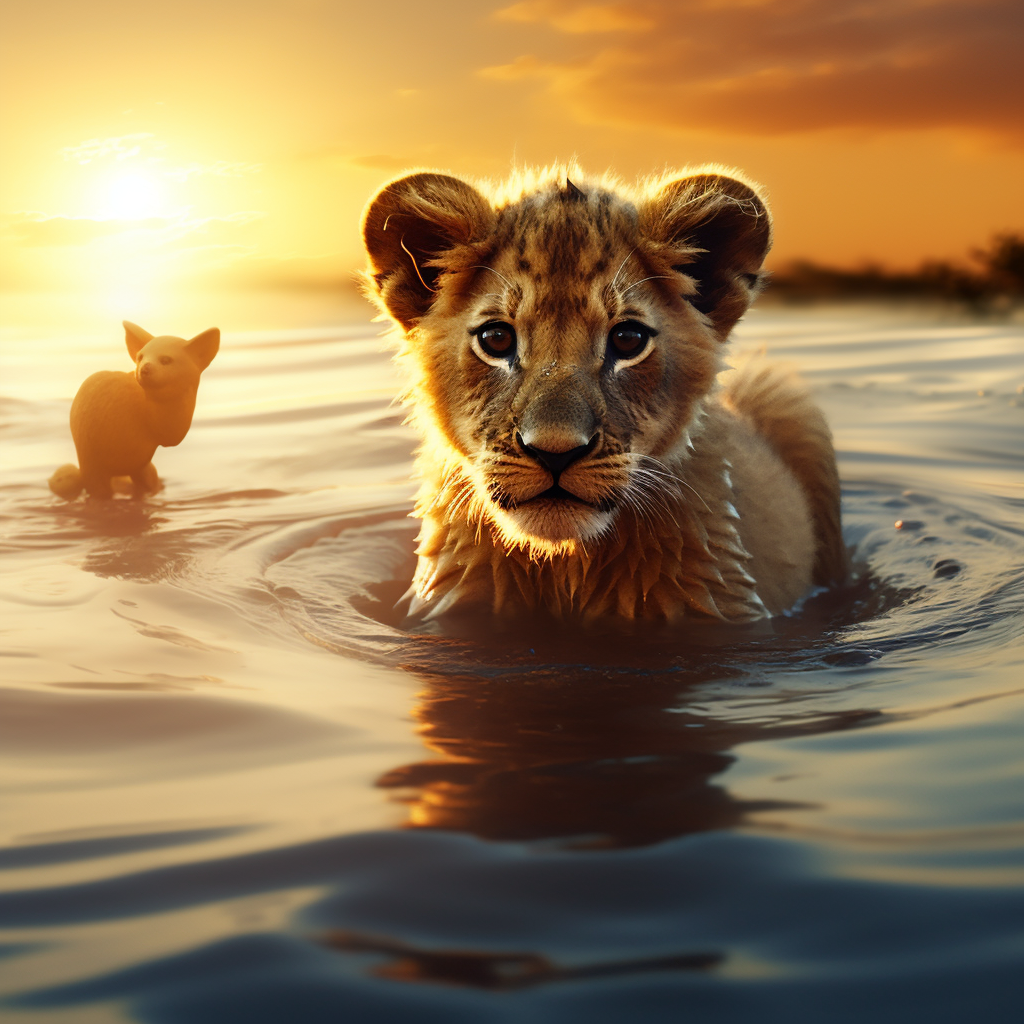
(655, 277)
(654, 498)
(511, 286)
(619, 271)
(677, 480)
(415, 265)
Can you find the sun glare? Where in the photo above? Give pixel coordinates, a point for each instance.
(133, 195)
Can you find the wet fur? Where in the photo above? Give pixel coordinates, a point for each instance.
(697, 497)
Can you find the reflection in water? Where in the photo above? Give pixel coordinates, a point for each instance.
(578, 760)
(497, 971)
(599, 762)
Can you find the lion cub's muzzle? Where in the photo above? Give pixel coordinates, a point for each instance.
(554, 477)
(556, 462)
(558, 425)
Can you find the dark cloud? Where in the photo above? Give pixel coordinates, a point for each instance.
(776, 66)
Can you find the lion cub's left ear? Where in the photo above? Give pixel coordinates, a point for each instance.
(717, 230)
(408, 225)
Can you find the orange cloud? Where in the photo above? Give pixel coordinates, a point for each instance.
(769, 67)
(578, 18)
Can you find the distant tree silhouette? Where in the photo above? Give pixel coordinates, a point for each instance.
(997, 283)
(1004, 262)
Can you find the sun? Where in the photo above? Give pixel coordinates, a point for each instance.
(133, 195)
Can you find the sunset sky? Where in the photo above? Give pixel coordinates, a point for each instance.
(238, 142)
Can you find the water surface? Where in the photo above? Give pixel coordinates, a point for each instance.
(234, 790)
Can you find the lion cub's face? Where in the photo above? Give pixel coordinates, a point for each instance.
(561, 345)
(556, 371)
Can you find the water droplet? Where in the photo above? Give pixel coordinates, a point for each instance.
(908, 524)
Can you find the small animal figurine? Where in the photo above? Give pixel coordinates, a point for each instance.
(119, 419)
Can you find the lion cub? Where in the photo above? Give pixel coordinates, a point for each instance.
(580, 456)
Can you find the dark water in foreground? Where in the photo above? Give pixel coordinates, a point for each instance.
(232, 791)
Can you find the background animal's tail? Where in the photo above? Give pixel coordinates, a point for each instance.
(67, 481)
(777, 403)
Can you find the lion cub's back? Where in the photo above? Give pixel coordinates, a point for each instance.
(774, 517)
(785, 473)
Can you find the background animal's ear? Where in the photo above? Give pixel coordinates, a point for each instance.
(727, 228)
(203, 347)
(135, 337)
(408, 225)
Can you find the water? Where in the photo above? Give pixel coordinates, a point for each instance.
(234, 790)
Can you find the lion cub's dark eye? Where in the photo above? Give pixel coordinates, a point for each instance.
(497, 339)
(628, 339)
(166, 360)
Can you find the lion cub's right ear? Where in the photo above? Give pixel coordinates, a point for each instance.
(410, 224)
(725, 225)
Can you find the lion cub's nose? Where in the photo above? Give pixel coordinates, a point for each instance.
(554, 462)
